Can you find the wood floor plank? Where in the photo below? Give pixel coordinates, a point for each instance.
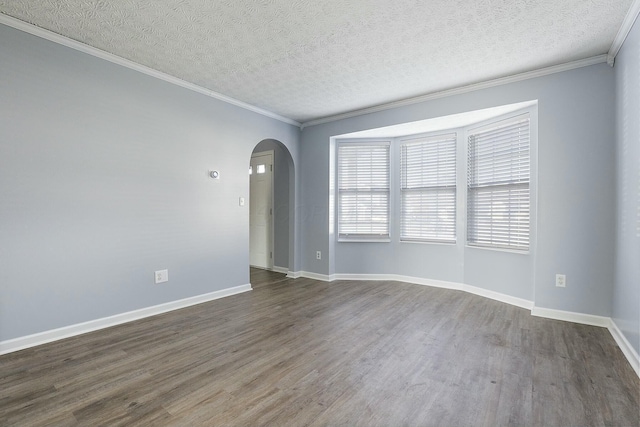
(308, 353)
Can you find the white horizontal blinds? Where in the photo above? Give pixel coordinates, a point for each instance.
(363, 190)
(428, 189)
(498, 202)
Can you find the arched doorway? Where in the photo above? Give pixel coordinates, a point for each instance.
(271, 207)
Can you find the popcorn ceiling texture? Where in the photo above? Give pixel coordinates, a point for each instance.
(306, 59)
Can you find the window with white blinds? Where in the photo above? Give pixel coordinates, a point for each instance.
(428, 189)
(363, 191)
(498, 199)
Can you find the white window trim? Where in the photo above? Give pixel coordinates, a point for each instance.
(531, 112)
(357, 238)
(461, 182)
(417, 139)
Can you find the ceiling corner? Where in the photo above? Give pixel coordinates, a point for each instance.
(623, 32)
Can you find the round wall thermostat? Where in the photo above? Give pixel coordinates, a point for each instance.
(214, 174)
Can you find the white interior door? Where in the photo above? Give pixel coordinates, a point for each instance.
(261, 210)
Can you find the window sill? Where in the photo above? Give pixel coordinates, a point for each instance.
(356, 240)
(488, 248)
(429, 242)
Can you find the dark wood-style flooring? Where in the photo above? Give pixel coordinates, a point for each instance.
(308, 353)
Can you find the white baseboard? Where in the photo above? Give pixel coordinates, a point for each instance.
(497, 296)
(28, 341)
(365, 277)
(400, 278)
(569, 316)
(587, 319)
(626, 347)
(277, 269)
(316, 276)
(430, 282)
(519, 302)
(21, 343)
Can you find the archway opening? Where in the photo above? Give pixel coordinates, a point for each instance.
(271, 207)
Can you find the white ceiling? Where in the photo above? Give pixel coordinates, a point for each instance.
(308, 59)
(438, 123)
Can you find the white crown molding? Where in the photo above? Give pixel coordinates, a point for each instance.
(463, 89)
(623, 32)
(28, 341)
(73, 44)
(569, 316)
(65, 41)
(626, 347)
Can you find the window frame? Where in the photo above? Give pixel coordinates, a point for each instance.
(418, 139)
(394, 201)
(495, 122)
(362, 237)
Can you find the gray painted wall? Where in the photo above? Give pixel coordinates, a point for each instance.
(281, 204)
(626, 295)
(576, 186)
(103, 179)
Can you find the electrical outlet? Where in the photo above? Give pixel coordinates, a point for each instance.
(318, 255)
(561, 280)
(162, 276)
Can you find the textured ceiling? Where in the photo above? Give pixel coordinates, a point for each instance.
(307, 59)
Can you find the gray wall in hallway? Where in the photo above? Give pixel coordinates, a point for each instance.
(575, 189)
(626, 295)
(104, 179)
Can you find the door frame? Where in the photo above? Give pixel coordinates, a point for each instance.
(271, 222)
